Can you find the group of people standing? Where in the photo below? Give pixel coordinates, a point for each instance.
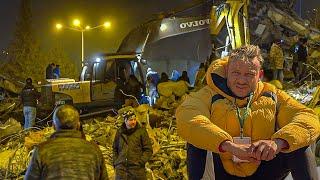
(68, 155)
(53, 71)
(299, 53)
(153, 79)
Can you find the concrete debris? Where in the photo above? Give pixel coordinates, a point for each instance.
(10, 127)
(169, 149)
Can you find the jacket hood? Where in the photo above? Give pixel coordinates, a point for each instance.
(216, 80)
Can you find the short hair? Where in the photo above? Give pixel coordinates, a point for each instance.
(303, 40)
(66, 117)
(29, 81)
(246, 53)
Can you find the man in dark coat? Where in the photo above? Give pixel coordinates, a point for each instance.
(49, 71)
(133, 89)
(66, 155)
(131, 149)
(29, 98)
(301, 54)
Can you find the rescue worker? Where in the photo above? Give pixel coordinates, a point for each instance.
(29, 98)
(133, 89)
(164, 78)
(277, 60)
(67, 154)
(49, 71)
(132, 149)
(152, 82)
(302, 54)
(254, 130)
(184, 77)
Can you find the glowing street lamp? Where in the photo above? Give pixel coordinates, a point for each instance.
(163, 27)
(107, 24)
(82, 29)
(76, 22)
(58, 26)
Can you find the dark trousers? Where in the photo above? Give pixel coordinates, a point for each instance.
(301, 163)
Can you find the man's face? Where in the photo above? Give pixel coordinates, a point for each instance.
(243, 76)
(131, 123)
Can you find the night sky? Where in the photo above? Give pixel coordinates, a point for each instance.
(123, 14)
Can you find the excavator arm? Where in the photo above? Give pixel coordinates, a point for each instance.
(232, 13)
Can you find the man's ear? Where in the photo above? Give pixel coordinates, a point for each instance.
(226, 69)
(261, 74)
(78, 125)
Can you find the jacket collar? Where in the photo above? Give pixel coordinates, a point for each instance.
(67, 134)
(28, 86)
(129, 131)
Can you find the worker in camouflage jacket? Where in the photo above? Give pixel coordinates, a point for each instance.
(131, 149)
(67, 155)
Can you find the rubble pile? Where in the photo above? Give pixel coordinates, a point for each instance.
(16, 149)
(304, 93)
(168, 161)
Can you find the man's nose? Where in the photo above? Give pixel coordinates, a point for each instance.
(241, 80)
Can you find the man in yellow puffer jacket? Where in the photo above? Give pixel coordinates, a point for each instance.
(253, 129)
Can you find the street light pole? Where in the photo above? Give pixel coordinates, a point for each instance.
(315, 17)
(82, 29)
(82, 48)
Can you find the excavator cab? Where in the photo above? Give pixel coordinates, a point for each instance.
(98, 82)
(106, 71)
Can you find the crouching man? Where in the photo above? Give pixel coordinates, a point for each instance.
(132, 149)
(254, 130)
(66, 155)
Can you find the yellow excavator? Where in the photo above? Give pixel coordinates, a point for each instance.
(98, 78)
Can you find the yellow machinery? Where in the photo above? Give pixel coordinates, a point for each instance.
(98, 78)
(234, 15)
(97, 85)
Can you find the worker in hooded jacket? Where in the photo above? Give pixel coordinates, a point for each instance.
(248, 129)
(277, 60)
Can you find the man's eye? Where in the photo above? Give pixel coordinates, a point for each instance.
(235, 73)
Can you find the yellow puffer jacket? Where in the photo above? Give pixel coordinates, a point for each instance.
(207, 125)
(276, 57)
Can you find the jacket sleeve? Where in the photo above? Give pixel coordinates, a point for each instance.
(272, 53)
(194, 125)
(37, 94)
(115, 148)
(34, 168)
(146, 147)
(299, 125)
(103, 169)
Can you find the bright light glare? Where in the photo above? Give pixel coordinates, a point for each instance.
(76, 22)
(163, 27)
(98, 59)
(87, 27)
(107, 24)
(58, 26)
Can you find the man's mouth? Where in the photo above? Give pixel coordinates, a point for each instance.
(242, 86)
